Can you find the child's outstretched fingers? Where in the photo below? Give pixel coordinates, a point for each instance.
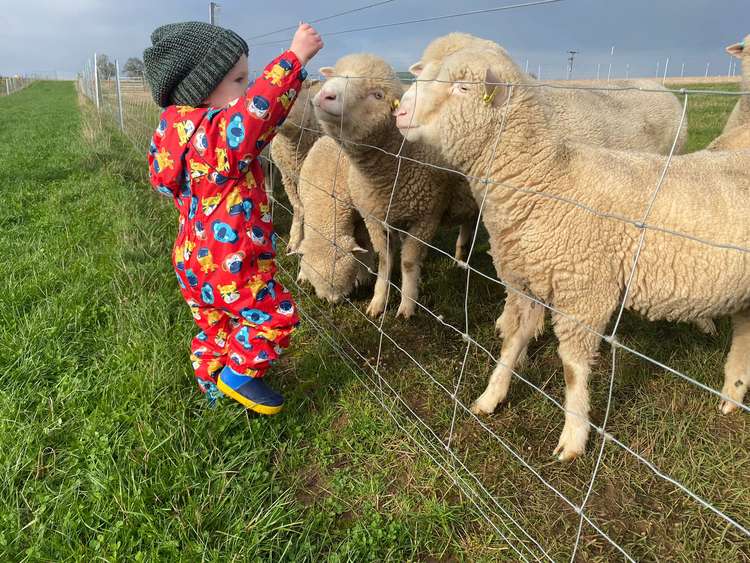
(306, 43)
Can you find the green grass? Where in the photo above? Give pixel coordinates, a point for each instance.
(108, 451)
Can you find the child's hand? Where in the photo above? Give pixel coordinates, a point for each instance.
(306, 43)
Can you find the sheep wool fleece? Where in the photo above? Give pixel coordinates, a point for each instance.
(206, 160)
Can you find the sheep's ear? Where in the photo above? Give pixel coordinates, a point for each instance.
(359, 249)
(736, 49)
(494, 93)
(416, 68)
(326, 71)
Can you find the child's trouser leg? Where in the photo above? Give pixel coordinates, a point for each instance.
(209, 349)
(252, 350)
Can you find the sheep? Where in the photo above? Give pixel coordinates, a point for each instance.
(740, 115)
(613, 119)
(644, 121)
(576, 261)
(288, 150)
(737, 138)
(336, 251)
(355, 106)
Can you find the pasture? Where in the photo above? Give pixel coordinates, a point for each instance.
(110, 452)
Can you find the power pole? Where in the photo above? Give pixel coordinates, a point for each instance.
(212, 8)
(571, 58)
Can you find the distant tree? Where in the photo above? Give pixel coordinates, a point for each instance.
(133, 67)
(105, 67)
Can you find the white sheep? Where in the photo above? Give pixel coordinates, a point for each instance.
(737, 138)
(740, 115)
(615, 119)
(577, 261)
(336, 251)
(290, 147)
(355, 106)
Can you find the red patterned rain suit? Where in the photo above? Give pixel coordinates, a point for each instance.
(205, 158)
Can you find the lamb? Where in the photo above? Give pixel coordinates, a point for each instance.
(289, 148)
(355, 106)
(737, 138)
(740, 115)
(336, 251)
(577, 261)
(627, 120)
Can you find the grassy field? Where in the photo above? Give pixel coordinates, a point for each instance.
(109, 452)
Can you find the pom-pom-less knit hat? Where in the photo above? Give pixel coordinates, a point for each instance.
(188, 60)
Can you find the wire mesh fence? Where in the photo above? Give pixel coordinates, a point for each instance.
(12, 84)
(654, 484)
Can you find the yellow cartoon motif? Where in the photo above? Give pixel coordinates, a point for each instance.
(276, 74)
(234, 202)
(265, 212)
(206, 261)
(213, 317)
(222, 162)
(250, 180)
(223, 128)
(287, 98)
(182, 110)
(229, 292)
(255, 284)
(265, 265)
(198, 169)
(269, 334)
(214, 366)
(211, 203)
(221, 338)
(163, 160)
(251, 372)
(194, 309)
(184, 130)
(187, 250)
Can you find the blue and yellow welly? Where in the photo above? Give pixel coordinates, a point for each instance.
(251, 392)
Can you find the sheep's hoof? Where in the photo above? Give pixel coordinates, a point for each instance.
(375, 309)
(483, 405)
(572, 444)
(733, 392)
(706, 326)
(405, 310)
(499, 326)
(727, 407)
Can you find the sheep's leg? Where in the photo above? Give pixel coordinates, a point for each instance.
(463, 240)
(385, 251)
(577, 350)
(295, 231)
(522, 320)
(737, 368)
(412, 255)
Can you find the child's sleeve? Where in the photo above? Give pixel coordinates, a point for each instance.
(237, 133)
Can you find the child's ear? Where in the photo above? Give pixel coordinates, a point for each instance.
(327, 71)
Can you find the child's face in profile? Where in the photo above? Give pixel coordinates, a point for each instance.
(233, 86)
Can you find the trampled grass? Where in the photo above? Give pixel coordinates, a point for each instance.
(108, 451)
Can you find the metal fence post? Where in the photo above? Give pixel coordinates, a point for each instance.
(7, 86)
(119, 94)
(96, 82)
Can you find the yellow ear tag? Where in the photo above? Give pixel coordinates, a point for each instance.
(488, 98)
(395, 104)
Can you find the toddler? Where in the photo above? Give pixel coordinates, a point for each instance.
(204, 156)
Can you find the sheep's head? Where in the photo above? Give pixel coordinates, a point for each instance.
(446, 45)
(358, 97)
(334, 272)
(303, 112)
(459, 99)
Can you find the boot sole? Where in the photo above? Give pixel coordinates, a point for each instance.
(244, 401)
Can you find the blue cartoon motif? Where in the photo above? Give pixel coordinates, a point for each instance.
(274, 240)
(216, 178)
(243, 164)
(200, 141)
(257, 235)
(235, 131)
(201, 336)
(261, 357)
(191, 278)
(162, 127)
(212, 112)
(259, 106)
(207, 293)
(223, 232)
(200, 231)
(247, 208)
(255, 316)
(243, 337)
(164, 190)
(179, 280)
(269, 289)
(285, 308)
(236, 358)
(302, 75)
(193, 207)
(233, 262)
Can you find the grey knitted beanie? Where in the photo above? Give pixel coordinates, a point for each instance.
(188, 60)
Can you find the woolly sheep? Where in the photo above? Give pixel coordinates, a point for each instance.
(577, 261)
(737, 138)
(336, 251)
(293, 141)
(409, 196)
(644, 121)
(741, 113)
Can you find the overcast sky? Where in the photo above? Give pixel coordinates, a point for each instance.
(47, 36)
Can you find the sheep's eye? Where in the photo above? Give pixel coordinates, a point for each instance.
(378, 95)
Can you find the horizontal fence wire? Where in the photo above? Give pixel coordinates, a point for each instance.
(138, 115)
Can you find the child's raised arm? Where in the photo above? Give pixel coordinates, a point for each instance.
(239, 132)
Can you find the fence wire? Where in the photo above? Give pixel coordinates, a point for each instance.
(127, 103)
